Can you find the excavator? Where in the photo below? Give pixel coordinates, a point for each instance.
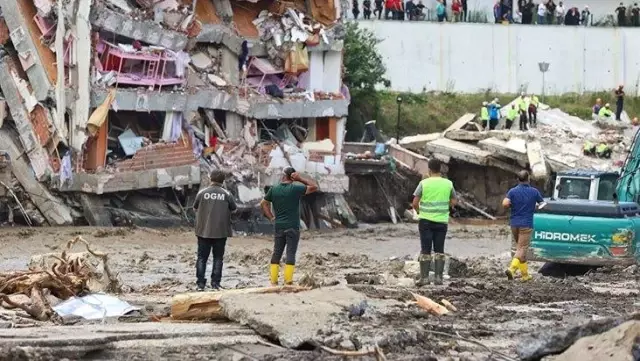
(592, 218)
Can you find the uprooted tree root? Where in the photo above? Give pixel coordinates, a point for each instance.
(63, 276)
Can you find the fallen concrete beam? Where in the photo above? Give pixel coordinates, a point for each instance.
(125, 181)
(415, 161)
(52, 208)
(466, 135)
(537, 161)
(24, 42)
(147, 31)
(30, 143)
(222, 34)
(94, 211)
(509, 167)
(417, 142)
(515, 148)
(213, 98)
(458, 150)
(461, 122)
(560, 162)
(307, 312)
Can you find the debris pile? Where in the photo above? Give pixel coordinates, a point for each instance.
(62, 275)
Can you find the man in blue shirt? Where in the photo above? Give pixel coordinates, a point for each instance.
(522, 199)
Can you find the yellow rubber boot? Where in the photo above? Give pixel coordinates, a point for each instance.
(274, 272)
(515, 265)
(524, 270)
(288, 274)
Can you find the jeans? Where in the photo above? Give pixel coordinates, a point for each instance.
(619, 106)
(432, 236)
(285, 239)
(216, 247)
(541, 19)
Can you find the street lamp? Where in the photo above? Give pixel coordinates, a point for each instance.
(399, 101)
(544, 67)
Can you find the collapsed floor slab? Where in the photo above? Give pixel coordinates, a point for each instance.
(446, 148)
(516, 148)
(53, 208)
(307, 312)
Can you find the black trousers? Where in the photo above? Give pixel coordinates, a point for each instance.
(285, 239)
(493, 123)
(216, 247)
(379, 11)
(508, 124)
(533, 116)
(619, 106)
(432, 236)
(523, 121)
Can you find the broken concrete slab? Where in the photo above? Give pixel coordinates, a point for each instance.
(537, 161)
(515, 148)
(461, 123)
(125, 181)
(413, 161)
(94, 210)
(615, 344)
(146, 31)
(417, 142)
(30, 143)
(221, 34)
(201, 61)
(24, 43)
(307, 312)
(52, 207)
(553, 341)
(466, 135)
(458, 150)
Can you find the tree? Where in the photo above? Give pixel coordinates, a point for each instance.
(364, 71)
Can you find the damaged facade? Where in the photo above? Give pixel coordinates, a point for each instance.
(116, 104)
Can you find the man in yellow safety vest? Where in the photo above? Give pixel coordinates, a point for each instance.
(512, 113)
(432, 199)
(533, 110)
(484, 115)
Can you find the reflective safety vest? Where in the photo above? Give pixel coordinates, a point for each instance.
(535, 101)
(434, 203)
(604, 112)
(602, 148)
(484, 113)
(588, 146)
(522, 105)
(512, 113)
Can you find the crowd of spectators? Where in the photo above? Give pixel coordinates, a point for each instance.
(542, 12)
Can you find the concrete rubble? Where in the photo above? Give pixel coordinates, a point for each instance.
(117, 103)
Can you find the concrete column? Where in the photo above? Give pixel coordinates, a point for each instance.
(235, 125)
(316, 70)
(332, 71)
(229, 66)
(311, 130)
(83, 48)
(341, 127)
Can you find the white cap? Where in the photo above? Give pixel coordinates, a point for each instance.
(484, 103)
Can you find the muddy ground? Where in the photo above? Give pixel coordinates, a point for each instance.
(154, 265)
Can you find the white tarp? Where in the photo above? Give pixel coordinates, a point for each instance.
(94, 307)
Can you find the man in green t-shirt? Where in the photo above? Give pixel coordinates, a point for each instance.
(285, 198)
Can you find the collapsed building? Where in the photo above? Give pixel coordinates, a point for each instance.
(116, 110)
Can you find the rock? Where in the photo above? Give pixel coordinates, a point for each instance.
(411, 268)
(201, 61)
(551, 342)
(216, 80)
(347, 345)
(615, 344)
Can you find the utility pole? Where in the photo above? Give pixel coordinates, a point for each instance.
(399, 101)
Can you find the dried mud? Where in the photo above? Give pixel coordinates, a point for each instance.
(154, 265)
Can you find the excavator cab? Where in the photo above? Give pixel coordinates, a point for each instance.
(585, 184)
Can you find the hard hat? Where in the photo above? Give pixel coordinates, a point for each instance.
(606, 105)
(493, 102)
(484, 103)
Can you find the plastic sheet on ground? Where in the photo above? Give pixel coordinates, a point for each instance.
(94, 307)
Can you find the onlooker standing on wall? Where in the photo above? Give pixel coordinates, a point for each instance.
(560, 12)
(379, 6)
(213, 206)
(551, 11)
(527, 12)
(465, 10)
(456, 9)
(497, 12)
(355, 9)
(441, 12)
(542, 12)
(366, 9)
(410, 6)
(432, 199)
(635, 15)
(586, 17)
(621, 11)
(522, 199)
(619, 93)
(572, 17)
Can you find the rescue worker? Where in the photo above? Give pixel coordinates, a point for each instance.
(619, 93)
(512, 113)
(494, 114)
(605, 112)
(5, 182)
(432, 199)
(603, 151)
(285, 198)
(522, 200)
(484, 115)
(589, 148)
(213, 206)
(533, 110)
(596, 108)
(522, 109)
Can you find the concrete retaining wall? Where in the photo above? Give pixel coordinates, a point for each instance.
(476, 57)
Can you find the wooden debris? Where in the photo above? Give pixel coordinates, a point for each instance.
(448, 305)
(429, 305)
(63, 275)
(206, 305)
